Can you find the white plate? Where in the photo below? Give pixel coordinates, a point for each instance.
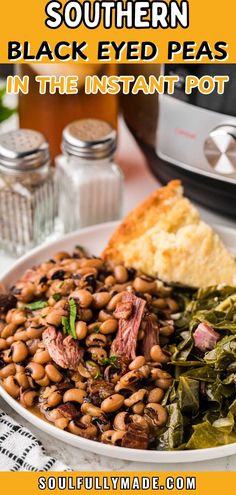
(94, 239)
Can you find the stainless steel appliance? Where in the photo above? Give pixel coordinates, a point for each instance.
(191, 137)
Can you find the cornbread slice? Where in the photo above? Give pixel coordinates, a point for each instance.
(165, 237)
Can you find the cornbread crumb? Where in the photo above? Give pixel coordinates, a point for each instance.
(165, 237)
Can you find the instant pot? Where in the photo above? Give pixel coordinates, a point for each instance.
(190, 137)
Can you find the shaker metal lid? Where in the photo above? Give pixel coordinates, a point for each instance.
(89, 139)
(23, 149)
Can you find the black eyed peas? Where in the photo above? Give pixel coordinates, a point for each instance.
(159, 303)
(173, 305)
(7, 356)
(158, 355)
(22, 380)
(41, 356)
(8, 370)
(112, 437)
(43, 382)
(8, 331)
(81, 330)
(138, 408)
(130, 378)
(3, 344)
(61, 255)
(16, 317)
(93, 262)
(104, 315)
(86, 432)
(35, 333)
(102, 395)
(91, 410)
(156, 395)
(87, 272)
(136, 397)
(101, 299)
(10, 340)
(109, 326)
(19, 351)
(74, 395)
(54, 316)
(139, 421)
(28, 398)
(94, 327)
(83, 371)
(96, 339)
(35, 370)
(11, 386)
(167, 330)
(111, 306)
(156, 413)
(110, 280)
(126, 390)
(141, 284)
(163, 379)
(53, 374)
(84, 297)
(32, 345)
(137, 363)
(121, 421)
(121, 274)
(93, 368)
(54, 399)
(61, 423)
(21, 335)
(86, 315)
(97, 354)
(112, 403)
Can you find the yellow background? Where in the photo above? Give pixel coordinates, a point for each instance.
(207, 483)
(210, 20)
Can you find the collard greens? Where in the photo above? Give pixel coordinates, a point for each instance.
(202, 400)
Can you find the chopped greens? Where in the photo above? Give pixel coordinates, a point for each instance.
(36, 305)
(73, 314)
(173, 435)
(96, 329)
(188, 395)
(205, 435)
(69, 323)
(98, 375)
(57, 296)
(66, 325)
(110, 360)
(202, 400)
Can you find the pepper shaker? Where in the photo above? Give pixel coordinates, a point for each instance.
(28, 199)
(90, 182)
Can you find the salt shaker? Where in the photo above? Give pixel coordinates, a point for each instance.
(28, 199)
(90, 183)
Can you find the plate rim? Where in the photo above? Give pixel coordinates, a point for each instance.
(136, 455)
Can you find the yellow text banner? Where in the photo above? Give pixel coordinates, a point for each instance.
(31, 32)
(117, 483)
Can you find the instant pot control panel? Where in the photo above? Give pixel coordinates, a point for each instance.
(198, 132)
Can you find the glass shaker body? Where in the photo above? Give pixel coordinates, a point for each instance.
(90, 191)
(28, 197)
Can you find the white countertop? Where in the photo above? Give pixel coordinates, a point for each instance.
(138, 184)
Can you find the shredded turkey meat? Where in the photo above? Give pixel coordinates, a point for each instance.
(126, 340)
(135, 437)
(64, 351)
(205, 337)
(151, 338)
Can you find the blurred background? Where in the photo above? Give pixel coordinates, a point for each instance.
(50, 114)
